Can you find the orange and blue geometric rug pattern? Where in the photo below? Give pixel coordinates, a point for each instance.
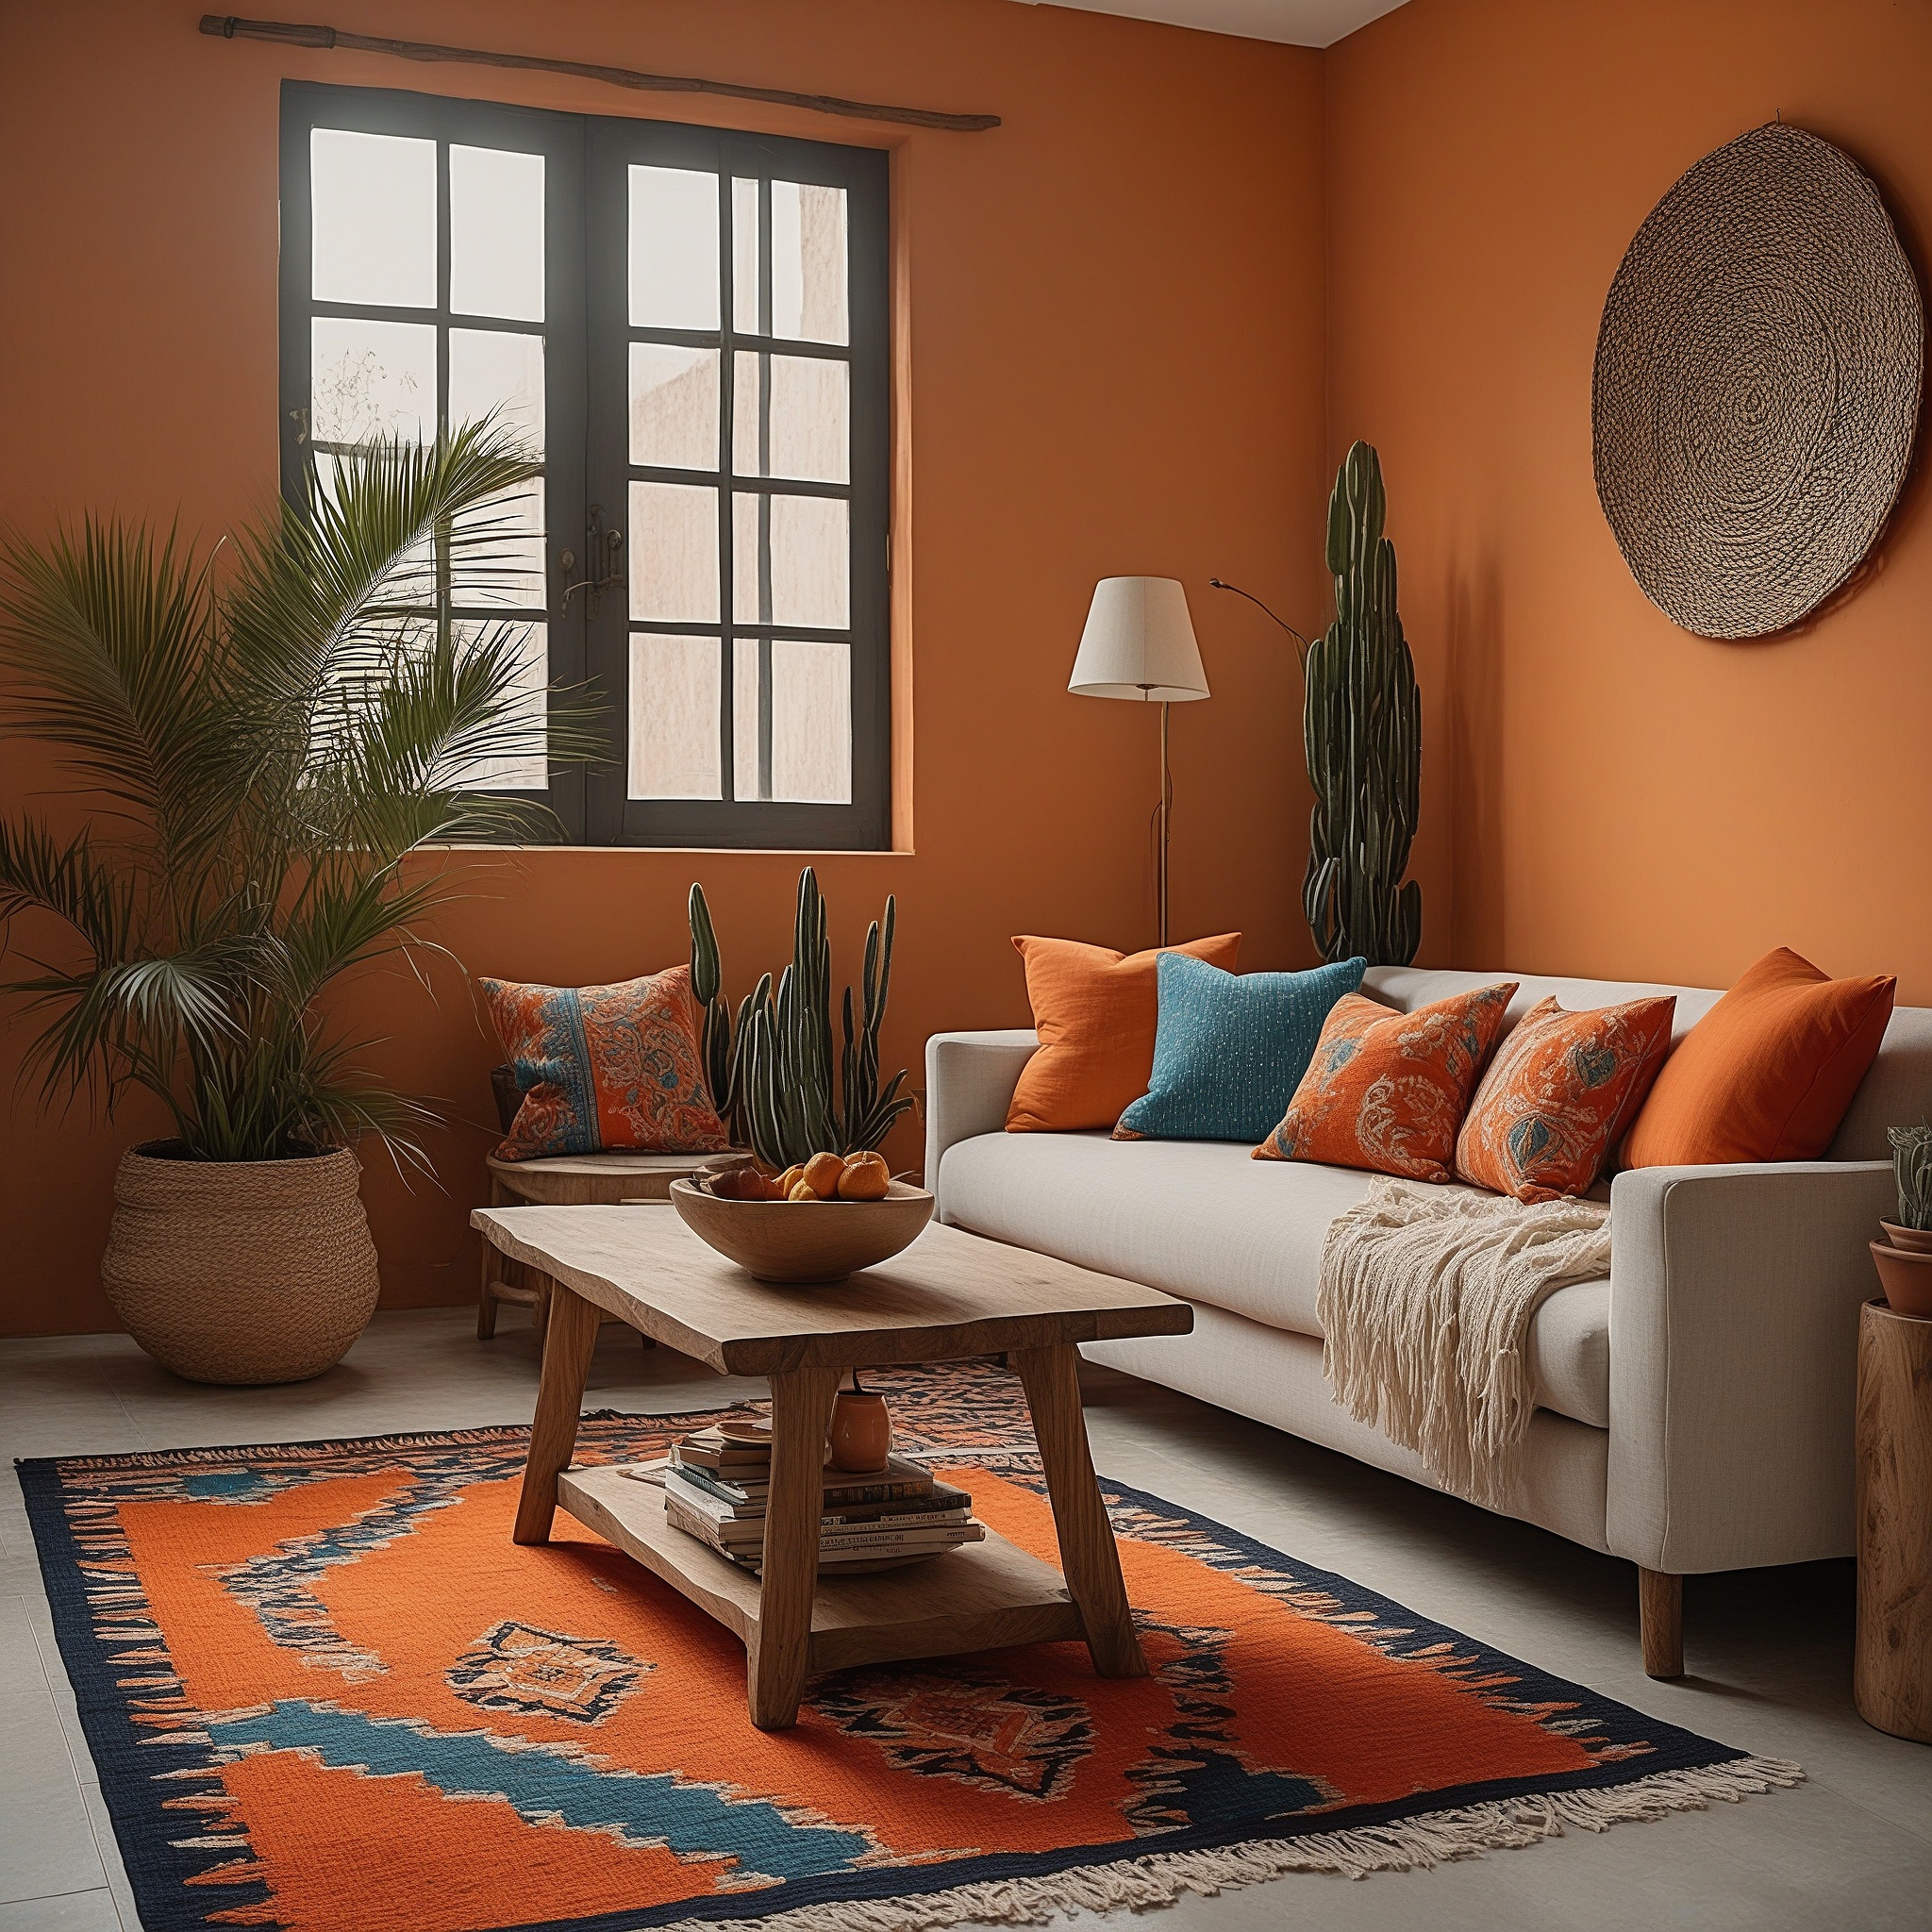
(325, 1692)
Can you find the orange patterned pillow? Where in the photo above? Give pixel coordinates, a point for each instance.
(1558, 1094)
(1387, 1091)
(606, 1067)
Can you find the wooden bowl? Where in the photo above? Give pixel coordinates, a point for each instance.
(804, 1241)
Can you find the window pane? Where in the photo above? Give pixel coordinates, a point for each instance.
(371, 377)
(673, 248)
(810, 726)
(744, 256)
(372, 202)
(808, 262)
(675, 698)
(790, 417)
(747, 780)
(496, 561)
(673, 405)
(673, 552)
(492, 370)
(522, 764)
(791, 560)
(496, 233)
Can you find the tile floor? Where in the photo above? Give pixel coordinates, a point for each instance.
(1768, 1651)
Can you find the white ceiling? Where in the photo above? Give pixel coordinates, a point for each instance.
(1299, 23)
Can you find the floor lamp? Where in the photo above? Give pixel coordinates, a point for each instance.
(1140, 643)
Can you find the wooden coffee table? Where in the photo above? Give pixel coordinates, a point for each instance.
(949, 1295)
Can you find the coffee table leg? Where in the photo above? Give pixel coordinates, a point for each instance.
(1088, 1558)
(776, 1663)
(568, 1341)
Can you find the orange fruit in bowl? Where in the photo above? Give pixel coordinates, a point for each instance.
(864, 1178)
(787, 1182)
(803, 1191)
(822, 1173)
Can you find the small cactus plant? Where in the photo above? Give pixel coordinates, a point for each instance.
(1362, 728)
(1911, 1166)
(770, 1073)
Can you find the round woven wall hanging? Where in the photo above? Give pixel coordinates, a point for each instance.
(1757, 384)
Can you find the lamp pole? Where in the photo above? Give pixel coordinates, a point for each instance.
(1164, 790)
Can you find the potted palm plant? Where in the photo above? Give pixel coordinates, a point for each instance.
(261, 749)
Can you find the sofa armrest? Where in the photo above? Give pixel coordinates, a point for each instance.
(1734, 1304)
(970, 1079)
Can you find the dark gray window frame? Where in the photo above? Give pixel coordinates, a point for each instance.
(587, 455)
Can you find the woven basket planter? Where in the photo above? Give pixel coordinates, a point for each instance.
(241, 1270)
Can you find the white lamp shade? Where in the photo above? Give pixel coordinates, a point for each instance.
(1139, 644)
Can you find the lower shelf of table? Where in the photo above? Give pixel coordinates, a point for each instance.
(982, 1596)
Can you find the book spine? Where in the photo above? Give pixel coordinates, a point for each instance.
(931, 1519)
(724, 1516)
(693, 1496)
(894, 1492)
(890, 1540)
(749, 1553)
(836, 1498)
(739, 1493)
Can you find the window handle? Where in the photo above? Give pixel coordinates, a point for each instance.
(603, 564)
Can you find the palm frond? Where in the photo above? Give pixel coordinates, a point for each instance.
(71, 880)
(102, 631)
(281, 743)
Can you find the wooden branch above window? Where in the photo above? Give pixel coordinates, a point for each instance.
(230, 26)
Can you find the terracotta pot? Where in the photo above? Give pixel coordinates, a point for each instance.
(1907, 1278)
(862, 1432)
(1914, 1241)
(241, 1270)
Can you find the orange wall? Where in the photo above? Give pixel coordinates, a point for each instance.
(1112, 320)
(1606, 794)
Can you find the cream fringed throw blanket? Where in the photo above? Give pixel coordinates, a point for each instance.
(1426, 1297)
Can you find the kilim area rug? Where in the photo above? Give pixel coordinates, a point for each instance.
(325, 1692)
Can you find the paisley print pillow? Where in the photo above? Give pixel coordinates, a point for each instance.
(605, 1068)
(1387, 1091)
(1558, 1094)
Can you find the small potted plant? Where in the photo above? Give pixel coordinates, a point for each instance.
(1904, 1256)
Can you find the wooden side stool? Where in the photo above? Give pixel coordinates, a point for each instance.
(1892, 1669)
(568, 1180)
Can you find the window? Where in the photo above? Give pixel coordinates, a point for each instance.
(689, 326)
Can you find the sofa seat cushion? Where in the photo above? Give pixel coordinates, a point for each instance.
(1200, 1220)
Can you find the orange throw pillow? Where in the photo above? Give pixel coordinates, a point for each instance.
(1387, 1091)
(1095, 1011)
(1768, 1072)
(1560, 1090)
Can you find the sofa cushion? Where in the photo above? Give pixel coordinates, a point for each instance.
(1201, 1220)
(1230, 1047)
(1769, 1072)
(1898, 1087)
(1094, 1010)
(1557, 1096)
(1387, 1091)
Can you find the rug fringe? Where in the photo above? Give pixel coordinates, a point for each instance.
(1404, 1844)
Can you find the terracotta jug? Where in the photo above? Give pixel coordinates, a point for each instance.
(861, 1431)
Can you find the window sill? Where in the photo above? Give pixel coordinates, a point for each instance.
(799, 852)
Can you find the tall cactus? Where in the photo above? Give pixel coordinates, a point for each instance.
(1362, 727)
(773, 1074)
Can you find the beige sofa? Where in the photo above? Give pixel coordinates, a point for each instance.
(1695, 1410)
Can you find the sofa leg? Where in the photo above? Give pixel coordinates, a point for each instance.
(1660, 1618)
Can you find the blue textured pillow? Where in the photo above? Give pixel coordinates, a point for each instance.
(1230, 1048)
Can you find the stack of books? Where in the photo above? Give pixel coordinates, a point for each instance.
(716, 1485)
